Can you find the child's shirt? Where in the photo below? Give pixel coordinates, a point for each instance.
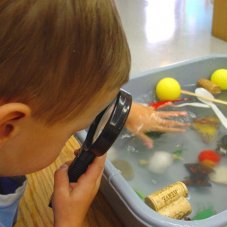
(11, 191)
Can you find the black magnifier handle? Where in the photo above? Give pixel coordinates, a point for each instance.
(80, 164)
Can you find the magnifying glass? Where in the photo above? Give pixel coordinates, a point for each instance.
(101, 134)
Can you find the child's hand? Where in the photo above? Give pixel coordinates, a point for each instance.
(71, 201)
(143, 119)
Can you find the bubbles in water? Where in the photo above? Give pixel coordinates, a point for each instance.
(131, 148)
(191, 115)
(126, 136)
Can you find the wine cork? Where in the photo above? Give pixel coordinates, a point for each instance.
(177, 209)
(209, 85)
(167, 195)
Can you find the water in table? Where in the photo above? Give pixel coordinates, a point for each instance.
(132, 150)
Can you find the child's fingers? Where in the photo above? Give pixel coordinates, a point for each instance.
(171, 114)
(146, 140)
(171, 129)
(172, 123)
(93, 173)
(68, 162)
(76, 152)
(61, 181)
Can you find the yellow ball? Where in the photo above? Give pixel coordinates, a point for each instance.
(168, 89)
(219, 77)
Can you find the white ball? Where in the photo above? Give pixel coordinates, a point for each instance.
(160, 161)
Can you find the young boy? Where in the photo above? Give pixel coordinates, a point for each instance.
(61, 63)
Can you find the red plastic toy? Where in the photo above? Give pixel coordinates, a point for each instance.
(160, 104)
(209, 158)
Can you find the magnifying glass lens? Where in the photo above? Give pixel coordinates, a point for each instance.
(103, 121)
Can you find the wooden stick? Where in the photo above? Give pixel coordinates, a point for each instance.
(204, 97)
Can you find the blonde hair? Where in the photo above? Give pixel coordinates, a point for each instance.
(56, 55)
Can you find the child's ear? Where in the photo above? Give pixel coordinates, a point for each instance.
(10, 115)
